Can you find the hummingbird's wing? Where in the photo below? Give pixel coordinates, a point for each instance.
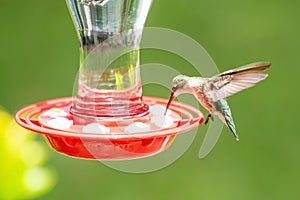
(233, 81)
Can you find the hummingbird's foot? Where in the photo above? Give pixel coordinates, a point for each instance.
(209, 116)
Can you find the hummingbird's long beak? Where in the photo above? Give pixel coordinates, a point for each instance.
(170, 100)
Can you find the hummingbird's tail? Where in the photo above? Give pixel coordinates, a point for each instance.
(224, 113)
(231, 126)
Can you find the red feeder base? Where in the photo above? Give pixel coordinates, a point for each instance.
(116, 144)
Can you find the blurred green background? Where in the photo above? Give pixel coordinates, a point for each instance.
(39, 61)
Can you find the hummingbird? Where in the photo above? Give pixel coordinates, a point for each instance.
(212, 92)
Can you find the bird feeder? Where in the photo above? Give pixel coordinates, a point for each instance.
(108, 118)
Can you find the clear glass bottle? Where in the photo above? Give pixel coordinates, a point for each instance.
(109, 32)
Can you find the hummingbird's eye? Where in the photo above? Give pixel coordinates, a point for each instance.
(174, 88)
